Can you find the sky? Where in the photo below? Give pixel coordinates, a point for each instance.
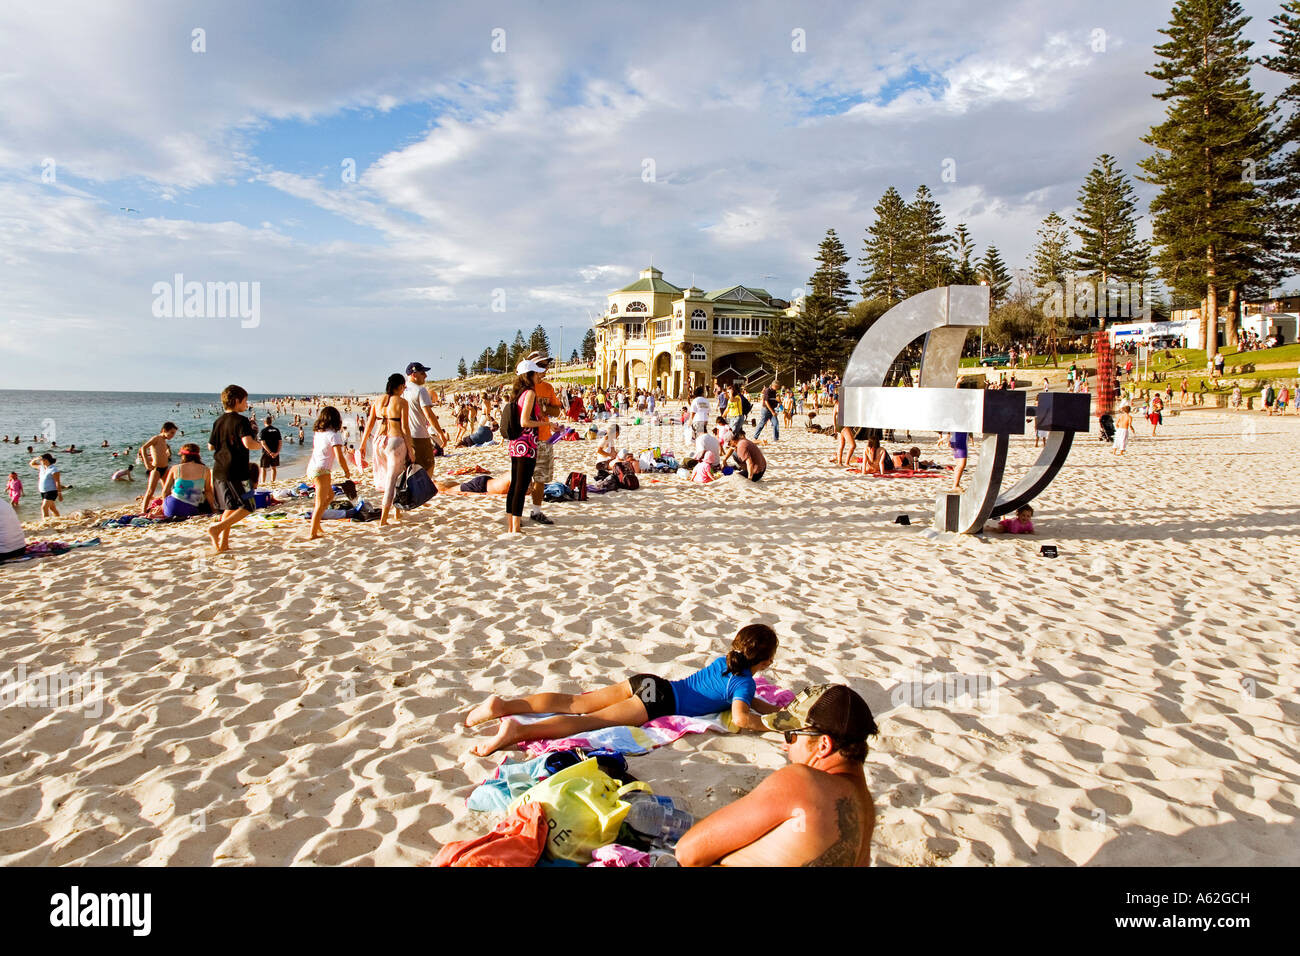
(395, 182)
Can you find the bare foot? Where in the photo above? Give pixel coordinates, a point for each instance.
(490, 709)
(215, 535)
(504, 737)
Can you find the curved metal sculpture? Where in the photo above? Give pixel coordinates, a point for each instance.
(944, 316)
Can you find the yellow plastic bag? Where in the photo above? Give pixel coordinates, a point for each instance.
(584, 809)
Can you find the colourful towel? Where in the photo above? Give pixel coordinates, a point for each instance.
(655, 733)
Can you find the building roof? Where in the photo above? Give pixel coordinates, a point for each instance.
(653, 285)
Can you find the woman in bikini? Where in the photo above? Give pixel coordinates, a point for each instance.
(394, 447)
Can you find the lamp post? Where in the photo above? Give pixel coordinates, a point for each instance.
(981, 358)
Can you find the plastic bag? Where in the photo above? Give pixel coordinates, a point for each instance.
(584, 809)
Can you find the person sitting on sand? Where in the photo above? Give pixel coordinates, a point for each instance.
(13, 542)
(817, 811)
(702, 470)
(1022, 523)
(607, 450)
(727, 683)
(187, 489)
(874, 458)
(476, 485)
(749, 458)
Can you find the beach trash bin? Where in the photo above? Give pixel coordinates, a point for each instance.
(262, 498)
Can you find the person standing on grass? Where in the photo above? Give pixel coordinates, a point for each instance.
(326, 436)
(232, 439)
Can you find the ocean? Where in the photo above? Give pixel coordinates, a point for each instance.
(124, 420)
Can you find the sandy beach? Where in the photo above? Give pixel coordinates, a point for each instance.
(299, 703)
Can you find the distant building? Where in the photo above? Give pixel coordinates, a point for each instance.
(1279, 318)
(654, 334)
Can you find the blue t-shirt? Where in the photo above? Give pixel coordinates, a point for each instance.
(708, 690)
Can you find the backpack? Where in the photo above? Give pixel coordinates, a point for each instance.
(510, 426)
(555, 491)
(625, 477)
(577, 482)
(745, 404)
(414, 488)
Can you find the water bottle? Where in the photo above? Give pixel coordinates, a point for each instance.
(659, 819)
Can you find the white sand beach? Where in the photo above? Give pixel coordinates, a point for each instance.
(299, 703)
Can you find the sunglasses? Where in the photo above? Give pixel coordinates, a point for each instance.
(791, 734)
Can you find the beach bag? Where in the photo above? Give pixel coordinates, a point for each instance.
(414, 488)
(625, 477)
(584, 809)
(577, 482)
(557, 491)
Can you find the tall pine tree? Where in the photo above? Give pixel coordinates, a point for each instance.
(993, 271)
(1283, 170)
(964, 271)
(1053, 261)
(830, 279)
(518, 349)
(884, 248)
(927, 250)
(461, 371)
(538, 341)
(589, 346)
(1208, 216)
(1106, 224)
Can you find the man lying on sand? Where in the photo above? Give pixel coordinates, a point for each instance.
(815, 812)
(477, 485)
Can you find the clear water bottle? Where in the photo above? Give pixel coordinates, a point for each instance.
(659, 819)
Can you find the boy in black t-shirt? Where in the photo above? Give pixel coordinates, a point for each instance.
(232, 438)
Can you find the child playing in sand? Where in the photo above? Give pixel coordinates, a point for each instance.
(326, 436)
(727, 683)
(1020, 524)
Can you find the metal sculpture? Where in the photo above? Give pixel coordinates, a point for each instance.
(944, 316)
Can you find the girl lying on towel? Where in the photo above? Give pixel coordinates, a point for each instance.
(725, 684)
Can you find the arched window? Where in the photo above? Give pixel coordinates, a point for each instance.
(635, 307)
(698, 354)
(698, 321)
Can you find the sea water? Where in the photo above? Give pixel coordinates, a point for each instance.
(125, 420)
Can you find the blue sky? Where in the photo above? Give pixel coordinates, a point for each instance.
(480, 168)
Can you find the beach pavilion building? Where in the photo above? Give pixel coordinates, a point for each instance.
(654, 334)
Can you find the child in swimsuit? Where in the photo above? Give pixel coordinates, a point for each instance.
(726, 684)
(188, 486)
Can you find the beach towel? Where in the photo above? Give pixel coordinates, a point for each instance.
(651, 735)
(48, 549)
(910, 473)
(475, 470)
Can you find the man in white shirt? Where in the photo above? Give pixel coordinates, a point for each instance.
(705, 443)
(700, 412)
(424, 423)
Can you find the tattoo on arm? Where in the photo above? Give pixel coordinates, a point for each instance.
(844, 851)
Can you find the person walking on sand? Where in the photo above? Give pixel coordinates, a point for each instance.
(1154, 415)
(49, 483)
(156, 455)
(1123, 428)
(232, 439)
(725, 684)
(957, 441)
(547, 406)
(326, 437)
(390, 420)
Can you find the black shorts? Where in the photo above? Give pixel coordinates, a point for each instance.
(50, 495)
(270, 460)
(476, 485)
(231, 496)
(656, 693)
(758, 476)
